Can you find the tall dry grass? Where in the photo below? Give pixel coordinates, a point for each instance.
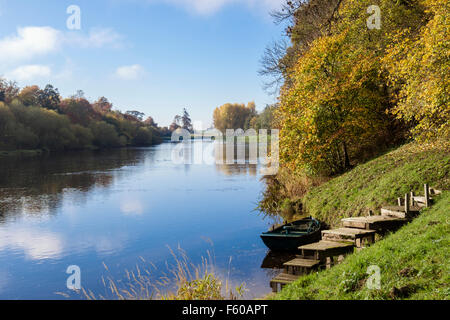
(284, 192)
(183, 281)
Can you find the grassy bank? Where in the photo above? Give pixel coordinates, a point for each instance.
(378, 182)
(414, 264)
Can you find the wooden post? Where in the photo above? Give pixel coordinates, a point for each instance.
(427, 195)
(407, 203)
(329, 262)
(412, 199)
(399, 202)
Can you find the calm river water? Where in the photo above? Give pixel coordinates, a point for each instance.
(120, 207)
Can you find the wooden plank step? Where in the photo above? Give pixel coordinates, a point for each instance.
(285, 278)
(357, 236)
(324, 249)
(399, 212)
(281, 280)
(420, 199)
(377, 223)
(299, 262)
(301, 266)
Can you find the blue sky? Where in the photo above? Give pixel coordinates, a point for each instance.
(156, 56)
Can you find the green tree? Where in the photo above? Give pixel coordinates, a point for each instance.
(186, 121)
(49, 97)
(105, 135)
(136, 114)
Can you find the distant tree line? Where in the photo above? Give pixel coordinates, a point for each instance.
(35, 118)
(241, 116)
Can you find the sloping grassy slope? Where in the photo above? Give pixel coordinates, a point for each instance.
(378, 182)
(415, 260)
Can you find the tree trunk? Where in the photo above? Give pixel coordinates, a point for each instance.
(346, 157)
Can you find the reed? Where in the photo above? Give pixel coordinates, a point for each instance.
(184, 280)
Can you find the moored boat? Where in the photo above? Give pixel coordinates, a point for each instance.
(290, 236)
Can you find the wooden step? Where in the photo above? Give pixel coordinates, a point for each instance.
(377, 223)
(420, 199)
(358, 237)
(324, 249)
(435, 191)
(399, 212)
(300, 266)
(281, 280)
(421, 202)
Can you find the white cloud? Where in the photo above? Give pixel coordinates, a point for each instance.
(28, 43)
(36, 244)
(29, 72)
(212, 6)
(132, 72)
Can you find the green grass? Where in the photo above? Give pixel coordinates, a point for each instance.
(379, 182)
(414, 260)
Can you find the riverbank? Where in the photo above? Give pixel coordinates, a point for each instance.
(40, 152)
(413, 265)
(378, 182)
(21, 153)
(413, 260)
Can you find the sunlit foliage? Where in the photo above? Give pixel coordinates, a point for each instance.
(234, 116)
(34, 118)
(420, 68)
(351, 91)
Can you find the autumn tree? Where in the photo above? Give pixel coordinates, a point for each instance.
(234, 116)
(336, 103)
(308, 20)
(29, 95)
(150, 122)
(264, 120)
(419, 69)
(8, 90)
(79, 110)
(102, 105)
(32, 118)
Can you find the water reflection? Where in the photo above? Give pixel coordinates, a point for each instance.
(115, 206)
(36, 244)
(37, 186)
(275, 260)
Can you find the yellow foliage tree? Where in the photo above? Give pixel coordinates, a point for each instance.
(420, 68)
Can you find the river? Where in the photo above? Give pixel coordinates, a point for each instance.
(122, 208)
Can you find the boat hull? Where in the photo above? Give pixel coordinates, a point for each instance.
(279, 240)
(287, 243)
